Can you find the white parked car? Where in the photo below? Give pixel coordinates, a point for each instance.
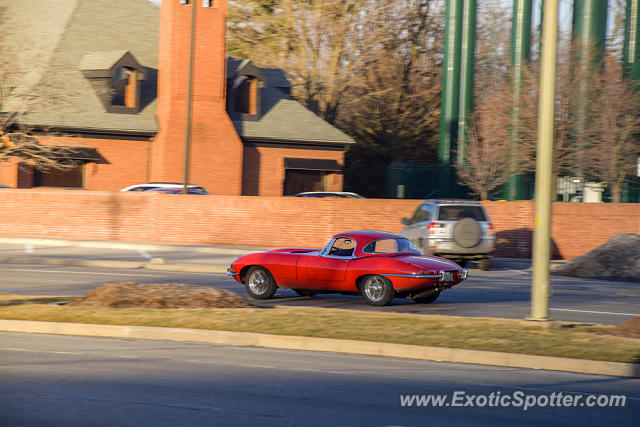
(154, 185)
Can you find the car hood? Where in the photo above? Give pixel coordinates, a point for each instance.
(428, 262)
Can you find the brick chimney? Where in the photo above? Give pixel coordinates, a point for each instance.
(216, 148)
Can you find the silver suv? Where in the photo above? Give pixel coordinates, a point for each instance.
(457, 230)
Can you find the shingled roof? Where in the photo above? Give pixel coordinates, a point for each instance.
(56, 40)
(62, 36)
(283, 118)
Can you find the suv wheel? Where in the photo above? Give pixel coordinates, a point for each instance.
(467, 233)
(485, 264)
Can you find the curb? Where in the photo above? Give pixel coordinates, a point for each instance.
(190, 268)
(286, 342)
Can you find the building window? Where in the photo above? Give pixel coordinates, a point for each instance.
(247, 96)
(125, 88)
(207, 3)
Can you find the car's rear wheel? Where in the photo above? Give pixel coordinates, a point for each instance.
(428, 299)
(377, 290)
(304, 293)
(259, 283)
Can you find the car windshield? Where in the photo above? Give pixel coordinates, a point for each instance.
(390, 246)
(458, 212)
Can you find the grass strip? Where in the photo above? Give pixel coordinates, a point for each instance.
(489, 334)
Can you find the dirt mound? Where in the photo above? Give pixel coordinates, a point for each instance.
(629, 329)
(174, 295)
(619, 258)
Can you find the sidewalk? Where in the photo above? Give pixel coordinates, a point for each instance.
(119, 254)
(147, 255)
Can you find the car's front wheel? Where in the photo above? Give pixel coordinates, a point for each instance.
(259, 283)
(377, 290)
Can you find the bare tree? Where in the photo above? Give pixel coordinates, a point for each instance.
(318, 43)
(18, 98)
(487, 157)
(394, 102)
(613, 148)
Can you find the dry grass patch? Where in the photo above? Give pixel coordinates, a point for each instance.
(504, 335)
(629, 329)
(172, 295)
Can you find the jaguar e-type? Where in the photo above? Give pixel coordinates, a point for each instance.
(377, 265)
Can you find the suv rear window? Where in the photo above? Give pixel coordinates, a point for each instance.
(458, 212)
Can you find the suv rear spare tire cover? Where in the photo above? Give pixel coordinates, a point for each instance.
(467, 233)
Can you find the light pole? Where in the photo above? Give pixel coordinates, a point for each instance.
(187, 147)
(544, 163)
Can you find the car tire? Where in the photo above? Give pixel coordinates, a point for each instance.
(426, 300)
(467, 233)
(304, 293)
(485, 264)
(377, 290)
(259, 283)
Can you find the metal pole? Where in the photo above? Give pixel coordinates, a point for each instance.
(542, 232)
(466, 74)
(589, 35)
(450, 79)
(631, 50)
(187, 147)
(520, 55)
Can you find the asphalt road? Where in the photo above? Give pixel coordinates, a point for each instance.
(500, 293)
(50, 380)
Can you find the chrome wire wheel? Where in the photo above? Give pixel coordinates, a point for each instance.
(377, 290)
(260, 284)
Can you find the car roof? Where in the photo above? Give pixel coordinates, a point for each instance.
(364, 237)
(329, 193)
(453, 202)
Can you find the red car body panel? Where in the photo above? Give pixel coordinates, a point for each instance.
(304, 268)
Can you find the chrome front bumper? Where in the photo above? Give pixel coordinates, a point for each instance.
(231, 272)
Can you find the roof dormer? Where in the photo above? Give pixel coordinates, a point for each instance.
(244, 96)
(115, 77)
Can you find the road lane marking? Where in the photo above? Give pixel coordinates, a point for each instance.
(84, 272)
(44, 270)
(27, 350)
(595, 312)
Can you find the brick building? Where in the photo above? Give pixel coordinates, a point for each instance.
(117, 72)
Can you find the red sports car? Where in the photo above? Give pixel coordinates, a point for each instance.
(377, 265)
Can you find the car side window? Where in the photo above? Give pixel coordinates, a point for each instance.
(343, 246)
(423, 213)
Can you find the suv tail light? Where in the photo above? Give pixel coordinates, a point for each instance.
(433, 227)
(492, 230)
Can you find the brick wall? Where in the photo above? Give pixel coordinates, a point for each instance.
(281, 221)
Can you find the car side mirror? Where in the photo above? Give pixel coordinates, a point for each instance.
(406, 221)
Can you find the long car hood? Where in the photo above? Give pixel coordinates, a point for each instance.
(429, 262)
